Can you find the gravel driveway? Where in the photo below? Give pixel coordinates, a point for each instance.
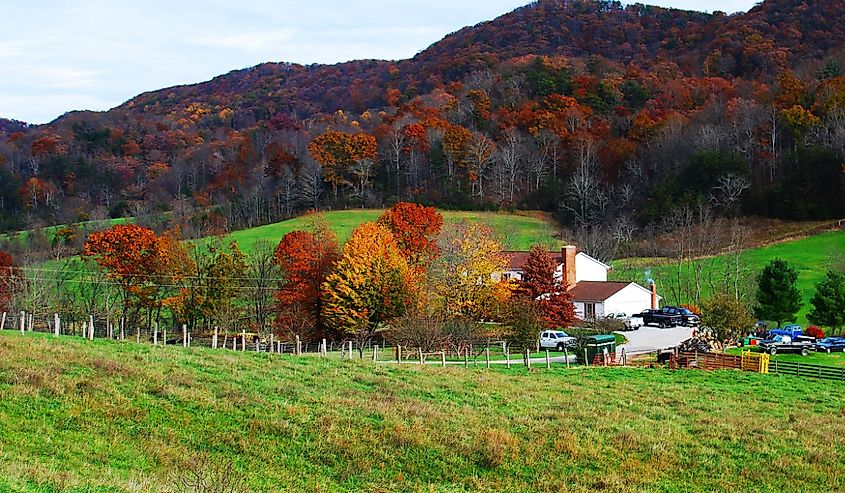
(650, 339)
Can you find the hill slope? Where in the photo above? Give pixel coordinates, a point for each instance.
(78, 416)
(811, 256)
(516, 231)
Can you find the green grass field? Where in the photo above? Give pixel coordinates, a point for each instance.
(811, 256)
(517, 231)
(79, 416)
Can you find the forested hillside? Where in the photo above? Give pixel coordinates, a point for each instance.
(617, 118)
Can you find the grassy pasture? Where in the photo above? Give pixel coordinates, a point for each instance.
(517, 231)
(78, 416)
(811, 256)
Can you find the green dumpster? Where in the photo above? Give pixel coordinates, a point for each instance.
(598, 345)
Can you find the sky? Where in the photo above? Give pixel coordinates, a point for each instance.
(63, 55)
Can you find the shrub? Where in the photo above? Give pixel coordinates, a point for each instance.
(814, 331)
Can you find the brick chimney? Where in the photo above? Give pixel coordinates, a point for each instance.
(654, 297)
(569, 252)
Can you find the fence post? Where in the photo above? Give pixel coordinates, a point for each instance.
(586, 361)
(90, 327)
(234, 343)
(566, 356)
(3, 323)
(443, 359)
(528, 358)
(487, 356)
(624, 358)
(325, 349)
(23, 322)
(508, 357)
(184, 334)
(243, 340)
(375, 353)
(214, 338)
(466, 358)
(29, 327)
(399, 354)
(57, 323)
(548, 361)
(155, 333)
(122, 328)
(138, 335)
(298, 346)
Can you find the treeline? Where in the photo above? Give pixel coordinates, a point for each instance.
(404, 276)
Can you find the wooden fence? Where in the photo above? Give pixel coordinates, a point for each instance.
(807, 370)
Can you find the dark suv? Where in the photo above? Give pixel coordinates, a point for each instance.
(688, 318)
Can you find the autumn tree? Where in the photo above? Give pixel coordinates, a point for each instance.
(541, 285)
(139, 261)
(305, 260)
(9, 280)
(342, 154)
(371, 284)
(415, 229)
(464, 278)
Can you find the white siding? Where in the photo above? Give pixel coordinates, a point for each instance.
(589, 269)
(580, 309)
(630, 300)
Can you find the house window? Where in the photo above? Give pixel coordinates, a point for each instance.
(590, 311)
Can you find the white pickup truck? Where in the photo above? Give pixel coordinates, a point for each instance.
(557, 340)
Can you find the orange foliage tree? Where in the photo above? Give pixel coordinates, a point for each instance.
(139, 261)
(415, 229)
(306, 259)
(338, 152)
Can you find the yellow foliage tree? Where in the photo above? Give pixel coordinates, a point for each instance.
(465, 278)
(372, 284)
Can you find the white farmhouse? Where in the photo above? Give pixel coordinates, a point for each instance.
(586, 281)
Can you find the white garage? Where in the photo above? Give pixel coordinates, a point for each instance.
(595, 299)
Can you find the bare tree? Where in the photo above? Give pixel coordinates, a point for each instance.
(262, 274)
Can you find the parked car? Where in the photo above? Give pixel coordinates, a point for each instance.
(661, 318)
(557, 340)
(831, 345)
(688, 318)
(634, 322)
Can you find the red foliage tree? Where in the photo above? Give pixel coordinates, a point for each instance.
(539, 284)
(305, 259)
(9, 279)
(415, 228)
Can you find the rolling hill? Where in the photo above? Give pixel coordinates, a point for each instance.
(105, 416)
(811, 256)
(516, 231)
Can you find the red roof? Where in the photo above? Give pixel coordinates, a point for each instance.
(596, 290)
(517, 260)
